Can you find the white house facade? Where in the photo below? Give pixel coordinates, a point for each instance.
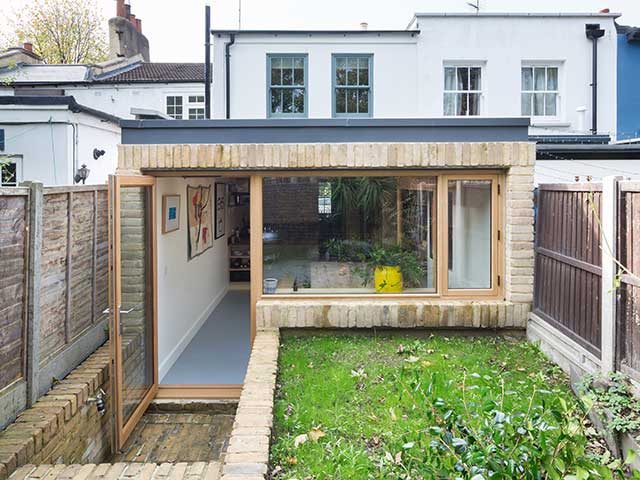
(487, 64)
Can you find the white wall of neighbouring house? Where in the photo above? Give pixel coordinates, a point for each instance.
(188, 290)
(51, 142)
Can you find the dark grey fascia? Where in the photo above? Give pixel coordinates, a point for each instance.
(325, 130)
(312, 32)
(588, 152)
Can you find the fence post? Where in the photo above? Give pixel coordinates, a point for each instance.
(608, 245)
(36, 204)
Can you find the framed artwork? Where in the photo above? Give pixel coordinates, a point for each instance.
(199, 220)
(170, 213)
(221, 195)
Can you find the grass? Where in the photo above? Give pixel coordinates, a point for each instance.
(366, 407)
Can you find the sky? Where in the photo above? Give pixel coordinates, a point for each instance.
(175, 29)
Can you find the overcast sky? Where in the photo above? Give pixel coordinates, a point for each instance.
(175, 27)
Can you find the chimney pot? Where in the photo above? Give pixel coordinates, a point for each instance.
(605, 10)
(27, 45)
(364, 26)
(120, 10)
(139, 25)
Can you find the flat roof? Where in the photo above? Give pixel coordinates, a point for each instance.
(518, 14)
(311, 32)
(614, 151)
(325, 130)
(51, 101)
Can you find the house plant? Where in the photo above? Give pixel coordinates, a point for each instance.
(391, 268)
(337, 265)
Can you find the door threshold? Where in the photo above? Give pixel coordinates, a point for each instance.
(199, 392)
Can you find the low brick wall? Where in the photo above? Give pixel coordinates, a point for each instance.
(63, 426)
(392, 314)
(247, 457)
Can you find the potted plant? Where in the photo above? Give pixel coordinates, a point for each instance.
(336, 266)
(391, 268)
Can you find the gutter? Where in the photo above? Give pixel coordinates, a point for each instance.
(227, 85)
(593, 33)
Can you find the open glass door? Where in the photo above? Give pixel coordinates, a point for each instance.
(133, 329)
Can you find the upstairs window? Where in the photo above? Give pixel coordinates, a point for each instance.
(8, 172)
(352, 85)
(287, 85)
(462, 90)
(196, 107)
(539, 91)
(174, 106)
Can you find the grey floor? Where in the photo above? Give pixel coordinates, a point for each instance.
(219, 352)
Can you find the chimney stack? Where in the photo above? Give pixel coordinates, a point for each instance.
(605, 10)
(364, 26)
(125, 34)
(27, 45)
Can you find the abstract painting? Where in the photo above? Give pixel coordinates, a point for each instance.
(199, 220)
(220, 206)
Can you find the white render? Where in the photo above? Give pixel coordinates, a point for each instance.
(408, 70)
(51, 142)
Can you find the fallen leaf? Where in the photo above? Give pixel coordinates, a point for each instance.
(425, 363)
(398, 458)
(300, 439)
(388, 456)
(411, 359)
(401, 349)
(393, 414)
(408, 445)
(445, 356)
(292, 460)
(277, 469)
(430, 351)
(316, 434)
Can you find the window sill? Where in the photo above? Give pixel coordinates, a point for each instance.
(549, 123)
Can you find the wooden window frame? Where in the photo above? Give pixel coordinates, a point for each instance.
(442, 292)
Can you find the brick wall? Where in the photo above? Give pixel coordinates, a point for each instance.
(63, 426)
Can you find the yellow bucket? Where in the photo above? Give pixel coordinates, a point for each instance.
(388, 279)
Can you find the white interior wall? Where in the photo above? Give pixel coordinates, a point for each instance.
(188, 290)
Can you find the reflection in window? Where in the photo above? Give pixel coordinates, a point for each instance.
(8, 173)
(287, 85)
(462, 90)
(325, 234)
(352, 80)
(469, 234)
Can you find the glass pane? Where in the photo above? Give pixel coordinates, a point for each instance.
(462, 75)
(449, 78)
(276, 100)
(474, 80)
(550, 104)
(461, 103)
(363, 101)
(341, 103)
(136, 291)
(298, 100)
(469, 234)
(352, 101)
(276, 62)
(552, 78)
(363, 72)
(538, 104)
(474, 104)
(341, 72)
(287, 76)
(287, 63)
(539, 82)
(526, 104)
(352, 71)
(298, 76)
(449, 104)
(287, 100)
(527, 78)
(276, 76)
(324, 234)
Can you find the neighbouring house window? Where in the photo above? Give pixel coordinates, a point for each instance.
(540, 91)
(324, 198)
(174, 106)
(195, 107)
(323, 234)
(462, 90)
(8, 172)
(469, 212)
(196, 113)
(352, 85)
(287, 85)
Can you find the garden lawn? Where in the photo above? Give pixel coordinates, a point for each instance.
(354, 407)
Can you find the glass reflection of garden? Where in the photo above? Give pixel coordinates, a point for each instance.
(349, 234)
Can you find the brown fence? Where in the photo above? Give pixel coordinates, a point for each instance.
(568, 261)
(628, 313)
(53, 286)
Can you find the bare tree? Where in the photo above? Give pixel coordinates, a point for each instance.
(63, 31)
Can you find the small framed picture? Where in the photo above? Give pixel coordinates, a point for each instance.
(221, 194)
(170, 213)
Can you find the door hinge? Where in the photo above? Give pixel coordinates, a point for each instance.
(498, 189)
(498, 235)
(498, 280)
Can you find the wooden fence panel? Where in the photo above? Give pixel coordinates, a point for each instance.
(628, 325)
(13, 263)
(568, 261)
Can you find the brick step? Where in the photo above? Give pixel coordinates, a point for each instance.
(120, 471)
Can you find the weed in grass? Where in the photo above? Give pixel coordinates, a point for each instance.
(392, 407)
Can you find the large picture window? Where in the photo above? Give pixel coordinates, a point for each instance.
(433, 234)
(352, 85)
(287, 85)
